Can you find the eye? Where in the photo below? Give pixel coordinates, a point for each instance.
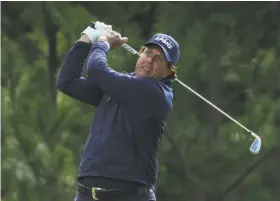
(149, 53)
(158, 58)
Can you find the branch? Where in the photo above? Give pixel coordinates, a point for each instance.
(242, 177)
(186, 171)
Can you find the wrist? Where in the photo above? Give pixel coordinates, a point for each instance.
(85, 38)
(104, 39)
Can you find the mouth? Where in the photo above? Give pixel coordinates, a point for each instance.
(147, 69)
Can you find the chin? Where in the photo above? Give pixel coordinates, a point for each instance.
(142, 74)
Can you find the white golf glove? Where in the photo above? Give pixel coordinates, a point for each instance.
(95, 30)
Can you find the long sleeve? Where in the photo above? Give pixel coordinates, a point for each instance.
(70, 80)
(144, 95)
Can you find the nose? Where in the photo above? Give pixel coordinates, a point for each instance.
(149, 59)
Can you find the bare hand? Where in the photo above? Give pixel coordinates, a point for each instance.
(114, 39)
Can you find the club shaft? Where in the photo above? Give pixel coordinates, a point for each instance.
(214, 106)
(130, 49)
(133, 51)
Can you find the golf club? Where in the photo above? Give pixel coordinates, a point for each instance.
(255, 146)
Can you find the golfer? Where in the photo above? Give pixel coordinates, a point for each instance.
(119, 159)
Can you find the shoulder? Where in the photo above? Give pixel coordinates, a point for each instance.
(167, 93)
(163, 87)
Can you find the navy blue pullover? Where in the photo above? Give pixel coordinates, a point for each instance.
(129, 119)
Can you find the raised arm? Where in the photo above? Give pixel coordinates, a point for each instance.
(70, 80)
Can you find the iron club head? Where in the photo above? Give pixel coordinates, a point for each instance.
(256, 145)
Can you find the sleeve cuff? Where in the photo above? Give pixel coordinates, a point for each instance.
(107, 44)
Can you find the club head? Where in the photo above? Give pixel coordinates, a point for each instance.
(256, 145)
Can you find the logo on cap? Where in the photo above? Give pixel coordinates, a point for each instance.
(165, 41)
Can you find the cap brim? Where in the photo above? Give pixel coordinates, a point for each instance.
(164, 50)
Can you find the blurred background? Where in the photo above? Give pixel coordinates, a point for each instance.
(229, 53)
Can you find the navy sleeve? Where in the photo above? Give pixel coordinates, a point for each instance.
(144, 95)
(70, 80)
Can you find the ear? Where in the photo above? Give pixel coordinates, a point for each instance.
(168, 72)
(169, 66)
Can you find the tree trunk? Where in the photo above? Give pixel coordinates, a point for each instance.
(51, 29)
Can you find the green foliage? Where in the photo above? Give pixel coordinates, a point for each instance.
(229, 54)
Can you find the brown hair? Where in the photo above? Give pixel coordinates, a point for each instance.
(170, 65)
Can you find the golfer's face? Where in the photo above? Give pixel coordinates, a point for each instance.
(152, 63)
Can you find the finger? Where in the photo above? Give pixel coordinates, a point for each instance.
(110, 30)
(112, 33)
(124, 39)
(97, 24)
(109, 27)
(107, 31)
(118, 35)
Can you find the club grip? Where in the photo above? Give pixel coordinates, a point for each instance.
(130, 49)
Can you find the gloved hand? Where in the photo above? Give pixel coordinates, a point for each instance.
(95, 30)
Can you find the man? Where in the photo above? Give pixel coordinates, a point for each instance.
(119, 160)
